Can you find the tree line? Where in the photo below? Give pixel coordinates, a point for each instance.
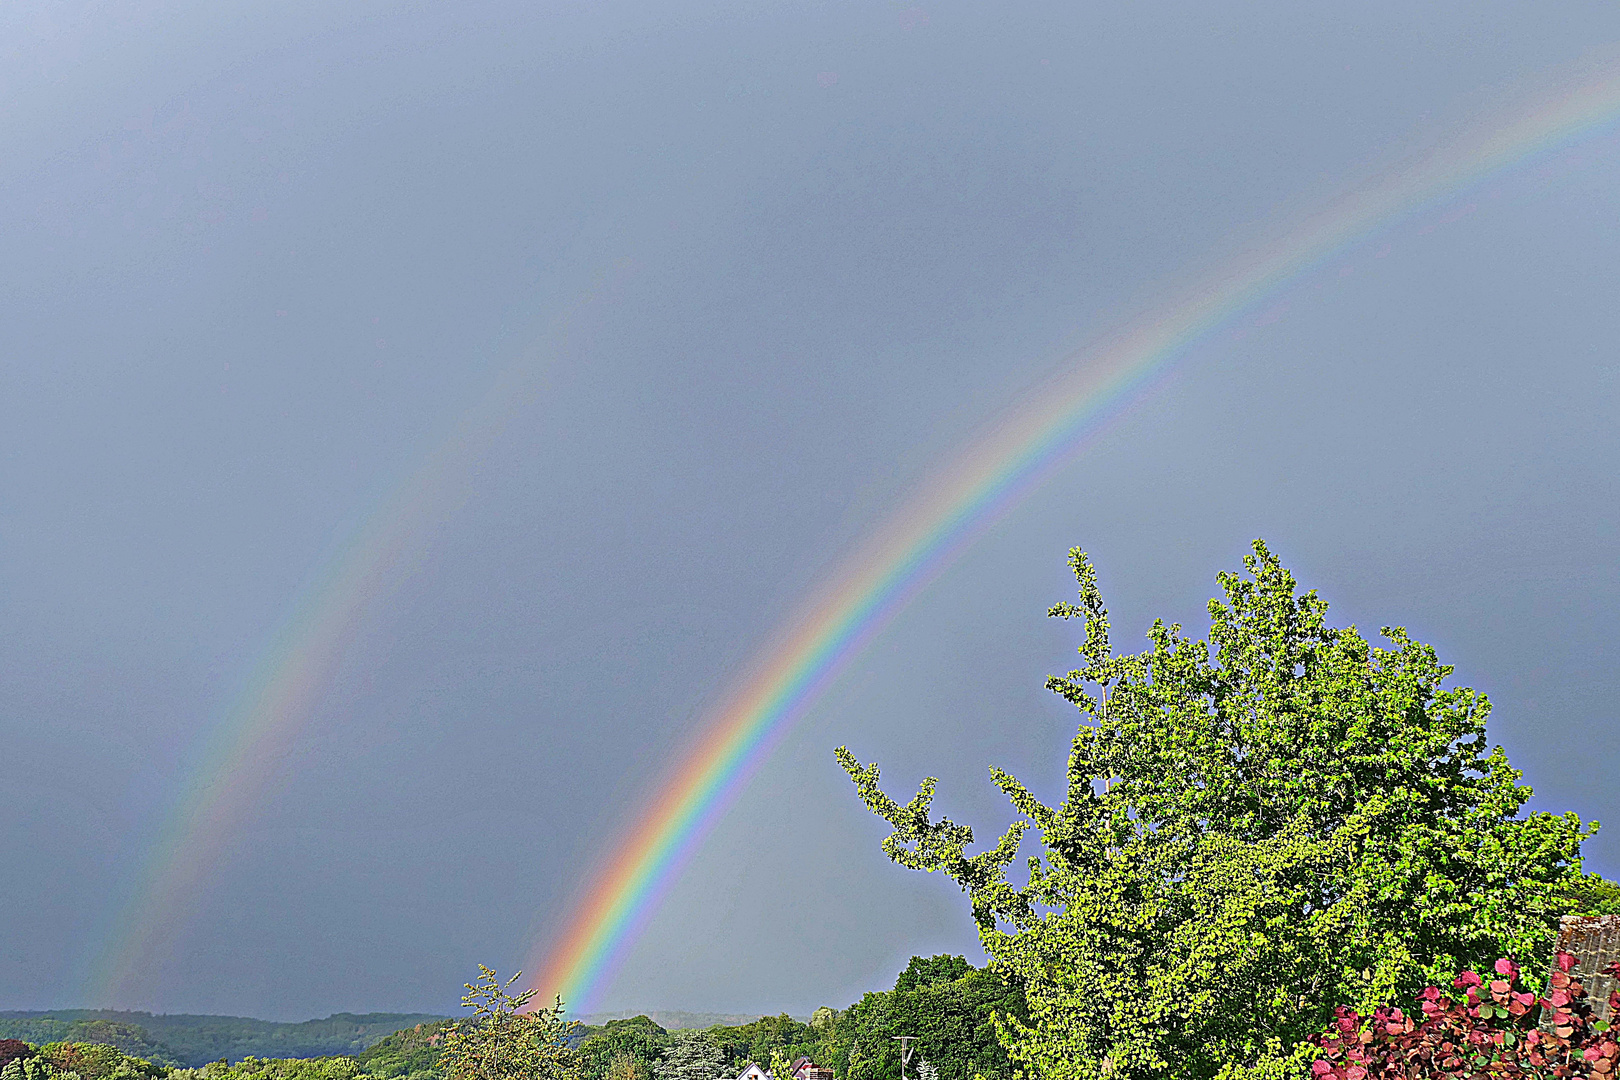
(946, 1002)
(185, 1039)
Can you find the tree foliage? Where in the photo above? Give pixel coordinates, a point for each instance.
(503, 1041)
(692, 1055)
(768, 1035)
(1592, 894)
(944, 1000)
(76, 1061)
(322, 1068)
(413, 1053)
(946, 1003)
(85, 1029)
(927, 971)
(626, 1049)
(183, 1039)
(1255, 829)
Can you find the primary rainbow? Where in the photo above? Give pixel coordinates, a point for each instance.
(980, 486)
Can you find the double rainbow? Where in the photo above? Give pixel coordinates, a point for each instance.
(944, 518)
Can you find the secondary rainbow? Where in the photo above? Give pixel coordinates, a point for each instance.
(976, 489)
(244, 754)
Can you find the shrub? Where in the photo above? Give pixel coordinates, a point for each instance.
(1488, 1028)
(504, 1039)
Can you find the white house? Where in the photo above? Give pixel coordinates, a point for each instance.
(803, 1069)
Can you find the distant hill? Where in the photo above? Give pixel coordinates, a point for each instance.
(130, 1038)
(194, 1041)
(175, 1038)
(675, 1020)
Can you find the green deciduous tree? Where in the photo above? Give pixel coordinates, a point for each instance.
(1255, 829)
(758, 1040)
(253, 1068)
(635, 1044)
(692, 1056)
(412, 1054)
(1593, 894)
(77, 1061)
(502, 1041)
(947, 1004)
(929, 970)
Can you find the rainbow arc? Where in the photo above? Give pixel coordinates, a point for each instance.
(976, 489)
(932, 528)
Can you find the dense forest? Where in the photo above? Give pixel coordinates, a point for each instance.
(181, 1039)
(943, 1000)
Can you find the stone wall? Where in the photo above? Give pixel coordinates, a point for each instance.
(1594, 941)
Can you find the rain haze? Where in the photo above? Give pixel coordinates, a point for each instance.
(622, 325)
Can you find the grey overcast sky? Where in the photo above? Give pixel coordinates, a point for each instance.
(258, 261)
